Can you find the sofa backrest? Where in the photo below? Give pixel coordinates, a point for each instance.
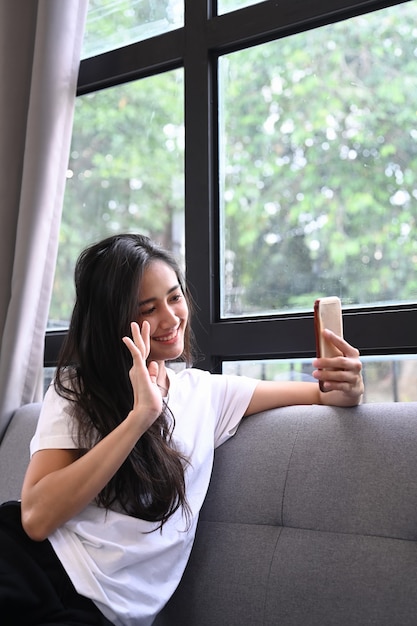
(310, 519)
(14, 450)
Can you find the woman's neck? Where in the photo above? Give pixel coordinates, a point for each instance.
(162, 380)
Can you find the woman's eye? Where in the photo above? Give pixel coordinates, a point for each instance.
(148, 311)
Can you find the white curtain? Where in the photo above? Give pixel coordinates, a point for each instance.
(40, 47)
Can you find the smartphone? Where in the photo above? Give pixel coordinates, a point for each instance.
(327, 314)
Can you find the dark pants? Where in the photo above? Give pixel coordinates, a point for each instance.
(34, 587)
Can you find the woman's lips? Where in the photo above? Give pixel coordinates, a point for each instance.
(167, 338)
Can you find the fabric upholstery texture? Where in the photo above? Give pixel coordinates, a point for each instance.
(14, 451)
(310, 520)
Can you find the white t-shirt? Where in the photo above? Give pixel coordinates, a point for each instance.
(112, 558)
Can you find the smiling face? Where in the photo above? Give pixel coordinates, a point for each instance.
(163, 305)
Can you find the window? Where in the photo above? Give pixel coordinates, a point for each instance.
(319, 146)
(231, 5)
(115, 23)
(283, 106)
(126, 173)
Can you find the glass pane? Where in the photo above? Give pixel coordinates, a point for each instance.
(126, 173)
(318, 150)
(387, 378)
(112, 24)
(224, 6)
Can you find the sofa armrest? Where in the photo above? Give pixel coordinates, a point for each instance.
(14, 450)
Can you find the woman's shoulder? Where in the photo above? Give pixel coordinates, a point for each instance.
(180, 373)
(194, 377)
(57, 405)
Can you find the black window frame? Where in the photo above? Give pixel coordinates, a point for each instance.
(196, 47)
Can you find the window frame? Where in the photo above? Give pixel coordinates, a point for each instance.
(196, 47)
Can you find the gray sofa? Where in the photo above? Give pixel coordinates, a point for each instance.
(311, 519)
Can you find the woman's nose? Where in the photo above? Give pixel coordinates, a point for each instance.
(168, 317)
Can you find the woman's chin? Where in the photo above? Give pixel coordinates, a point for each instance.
(166, 351)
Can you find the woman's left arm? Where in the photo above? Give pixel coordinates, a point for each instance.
(341, 378)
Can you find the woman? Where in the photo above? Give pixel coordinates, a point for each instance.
(122, 456)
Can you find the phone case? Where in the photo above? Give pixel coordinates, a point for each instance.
(327, 314)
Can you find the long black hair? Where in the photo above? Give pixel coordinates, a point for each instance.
(93, 373)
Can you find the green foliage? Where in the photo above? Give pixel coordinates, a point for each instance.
(320, 138)
(126, 172)
(319, 183)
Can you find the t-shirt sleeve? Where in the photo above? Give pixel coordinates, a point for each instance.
(231, 396)
(54, 429)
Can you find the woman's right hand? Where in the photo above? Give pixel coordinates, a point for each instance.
(147, 399)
